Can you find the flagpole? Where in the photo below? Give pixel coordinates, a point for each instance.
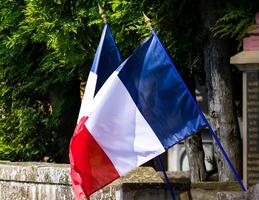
(169, 185)
(102, 14)
(213, 134)
(211, 130)
(225, 155)
(148, 22)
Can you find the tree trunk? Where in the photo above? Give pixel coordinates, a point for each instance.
(194, 148)
(220, 93)
(195, 154)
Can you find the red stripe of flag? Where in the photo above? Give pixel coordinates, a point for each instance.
(91, 168)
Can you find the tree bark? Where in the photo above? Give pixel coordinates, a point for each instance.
(220, 93)
(194, 148)
(195, 154)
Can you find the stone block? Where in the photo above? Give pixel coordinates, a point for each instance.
(251, 194)
(36, 172)
(49, 181)
(34, 181)
(142, 182)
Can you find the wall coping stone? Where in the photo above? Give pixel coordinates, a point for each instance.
(52, 173)
(36, 172)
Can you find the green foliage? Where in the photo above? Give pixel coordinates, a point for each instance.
(173, 20)
(234, 24)
(236, 21)
(46, 46)
(42, 44)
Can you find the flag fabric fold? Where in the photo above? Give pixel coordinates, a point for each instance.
(141, 110)
(82, 145)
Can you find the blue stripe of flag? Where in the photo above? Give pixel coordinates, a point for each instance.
(155, 86)
(107, 58)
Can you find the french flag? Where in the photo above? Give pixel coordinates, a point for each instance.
(106, 60)
(141, 110)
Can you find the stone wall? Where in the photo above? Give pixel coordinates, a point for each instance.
(40, 181)
(34, 181)
(49, 181)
